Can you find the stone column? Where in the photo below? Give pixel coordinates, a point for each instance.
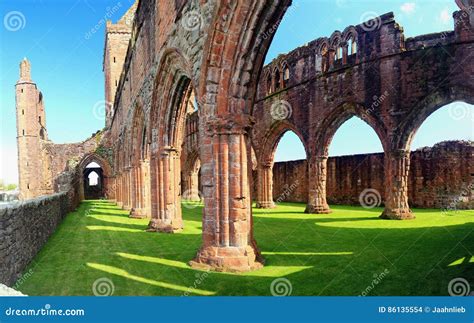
(397, 166)
(166, 216)
(265, 186)
(126, 185)
(228, 243)
(137, 209)
(317, 173)
(118, 188)
(191, 186)
(146, 192)
(345, 53)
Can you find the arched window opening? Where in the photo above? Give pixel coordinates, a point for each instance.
(452, 122)
(352, 46)
(289, 148)
(41, 134)
(355, 137)
(93, 179)
(338, 53)
(440, 174)
(93, 165)
(286, 76)
(355, 164)
(282, 174)
(324, 59)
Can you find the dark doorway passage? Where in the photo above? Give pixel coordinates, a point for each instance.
(93, 178)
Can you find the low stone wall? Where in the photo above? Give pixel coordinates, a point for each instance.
(24, 229)
(440, 177)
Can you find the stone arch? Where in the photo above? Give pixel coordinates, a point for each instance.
(412, 122)
(239, 38)
(273, 136)
(268, 81)
(138, 130)
(267, 158)
(317, 159)
(322, 55)
(139, 166)
(191, 189)
(329, 126)
(173, 87)
(349, 36)
(276, 78)
(106, 178)
(397, 157)
(336, 46)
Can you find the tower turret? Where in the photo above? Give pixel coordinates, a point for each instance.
(31, 132)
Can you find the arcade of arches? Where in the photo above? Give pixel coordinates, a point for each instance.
(197, 116)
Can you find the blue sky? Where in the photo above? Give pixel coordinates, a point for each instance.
(67, 66)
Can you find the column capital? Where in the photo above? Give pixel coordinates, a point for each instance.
(317, 158)
(398, 153)
(266, 164)
(230, 125)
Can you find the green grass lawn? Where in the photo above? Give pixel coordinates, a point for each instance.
(348, 252)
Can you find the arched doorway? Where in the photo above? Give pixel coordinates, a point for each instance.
(279, 141)
(96, 181)
(355, 173)
(93, 179)
(173, 100)
(441, 174)
(318, 161)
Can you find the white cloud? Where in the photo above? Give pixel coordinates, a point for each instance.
(444, 16)
(408, 7)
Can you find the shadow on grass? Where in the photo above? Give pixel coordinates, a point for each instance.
(336, 254)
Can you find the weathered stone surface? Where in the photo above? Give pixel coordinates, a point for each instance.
(25, 227)
(439, 176)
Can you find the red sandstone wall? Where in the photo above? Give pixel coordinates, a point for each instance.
(438, 176)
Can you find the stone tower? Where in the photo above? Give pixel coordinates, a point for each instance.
(31, 131)
(117, 38)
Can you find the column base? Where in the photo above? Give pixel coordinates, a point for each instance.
(157, 225)
(266, 205)
(397, 214)
(228, 259)
(137, 214)
(317, 209)
(119, 204)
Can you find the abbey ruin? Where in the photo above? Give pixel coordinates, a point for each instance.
(192, 114)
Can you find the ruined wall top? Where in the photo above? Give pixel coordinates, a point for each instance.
(25, 71)
(373, 39)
